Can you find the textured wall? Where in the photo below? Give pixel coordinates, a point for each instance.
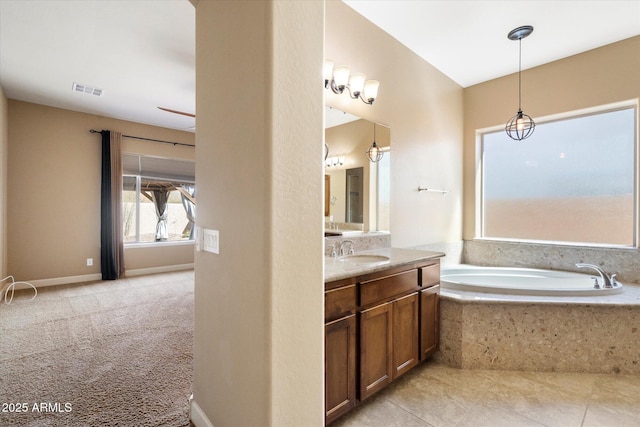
(423, 109)
(258, 355)
(54, 190)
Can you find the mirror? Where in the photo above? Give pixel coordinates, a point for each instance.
(356, 190)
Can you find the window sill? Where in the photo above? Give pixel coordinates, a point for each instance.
(556, 243)
(155, 244)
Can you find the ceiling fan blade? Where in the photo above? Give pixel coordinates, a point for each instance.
(177, 112)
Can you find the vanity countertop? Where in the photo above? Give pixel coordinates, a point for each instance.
(335, 269)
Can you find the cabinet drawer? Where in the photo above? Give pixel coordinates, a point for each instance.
(430, 275)
(340, 301)
(378, 290)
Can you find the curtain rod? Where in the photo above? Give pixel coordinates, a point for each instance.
(148, 139)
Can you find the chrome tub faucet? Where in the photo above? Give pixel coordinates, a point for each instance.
(607, 281)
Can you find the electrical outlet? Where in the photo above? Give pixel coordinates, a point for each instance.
(211, 241)
(89, 262)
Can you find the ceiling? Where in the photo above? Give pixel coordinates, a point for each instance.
(467, 40)
(142, 53)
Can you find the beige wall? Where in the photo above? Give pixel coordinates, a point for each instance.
(258, 345)
(54, 191)
(4, 142)
(423, 108)
(601, 76)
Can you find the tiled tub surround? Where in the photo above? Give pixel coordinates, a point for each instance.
(533, 333)
(453, 251)
(623, 262)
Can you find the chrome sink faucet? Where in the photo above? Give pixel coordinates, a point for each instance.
(341, 249)
(607, 281)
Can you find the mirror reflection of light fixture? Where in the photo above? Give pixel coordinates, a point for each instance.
(374, 153)
(340, 78)
(521, 125)
(334, 161)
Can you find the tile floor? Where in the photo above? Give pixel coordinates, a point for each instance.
(436, 395)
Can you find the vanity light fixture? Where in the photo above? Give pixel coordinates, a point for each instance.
(374, 153)
(521, 125)
(334, 161)
(340, 78)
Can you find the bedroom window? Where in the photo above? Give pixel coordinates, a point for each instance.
(573, 181)
(158, 199)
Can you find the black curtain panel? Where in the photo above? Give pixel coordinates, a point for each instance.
(111, 242)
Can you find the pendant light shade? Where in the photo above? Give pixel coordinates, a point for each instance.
(520, 126)
(374, 153)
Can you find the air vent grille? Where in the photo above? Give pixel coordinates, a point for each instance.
(77, 87)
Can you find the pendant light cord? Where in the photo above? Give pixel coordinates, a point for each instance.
(520, 74)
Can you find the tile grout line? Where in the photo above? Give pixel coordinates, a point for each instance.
(428, 424)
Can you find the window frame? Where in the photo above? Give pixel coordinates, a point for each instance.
(139, 177)
(479, 233)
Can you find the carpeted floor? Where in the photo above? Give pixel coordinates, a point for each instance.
(113, 353)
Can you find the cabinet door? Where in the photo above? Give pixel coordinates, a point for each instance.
(376, 349)
(340, 367)
(429, 321)
(405, 334)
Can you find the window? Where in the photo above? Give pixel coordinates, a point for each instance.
(384, 191)
(158, 199)
(572, 181)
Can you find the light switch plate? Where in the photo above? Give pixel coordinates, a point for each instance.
(211, 241)
(198, 237)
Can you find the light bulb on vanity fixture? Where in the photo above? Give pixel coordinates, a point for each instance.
(520, 126)
(334, 161)
(340, 78)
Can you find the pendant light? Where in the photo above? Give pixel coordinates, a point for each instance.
(374, 153)
(520, 126)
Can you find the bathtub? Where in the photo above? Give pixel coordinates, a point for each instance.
(521, 281)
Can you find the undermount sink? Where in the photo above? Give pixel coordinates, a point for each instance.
(363, 259)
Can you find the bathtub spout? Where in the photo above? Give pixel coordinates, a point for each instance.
(606, 280)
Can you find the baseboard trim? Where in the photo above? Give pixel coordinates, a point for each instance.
(62, 280)
(162, 269)
(197, 415)
(98, 276)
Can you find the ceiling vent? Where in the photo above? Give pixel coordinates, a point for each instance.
(77, 87)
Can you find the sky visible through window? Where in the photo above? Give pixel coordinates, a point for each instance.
(585, 156)
(571, 181)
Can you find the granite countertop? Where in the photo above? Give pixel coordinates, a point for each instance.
(334, 269)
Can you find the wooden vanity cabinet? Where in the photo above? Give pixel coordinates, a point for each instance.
(376, 349)
(429, 310)
(340, 338)
(389, 332)
(405, 334)
(429, 321)
(340, 366)
(377, 327)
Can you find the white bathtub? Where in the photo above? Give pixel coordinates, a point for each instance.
(521, 281)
